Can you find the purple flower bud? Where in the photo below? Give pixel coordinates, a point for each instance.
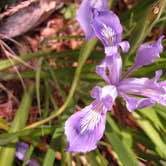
(21, 151)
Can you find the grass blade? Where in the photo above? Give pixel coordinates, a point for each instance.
(7, 154)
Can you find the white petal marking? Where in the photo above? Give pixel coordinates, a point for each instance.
(96, 3)
(108, 33)
(91, 119)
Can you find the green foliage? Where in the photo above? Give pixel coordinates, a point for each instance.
(69, 11)
(73, 84)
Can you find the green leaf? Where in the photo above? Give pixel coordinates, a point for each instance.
(151, 114)
(50, 155)
(146, 20)
(95, 158)
(4, 125)
(28, 155)
(84, 54)
(9, 137)
(7, 154)
(153, 134)
(5, 64)
(124, 153)
(38, 83)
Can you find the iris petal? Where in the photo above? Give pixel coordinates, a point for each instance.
(110, 69)
(146, 54)
(107, 28)
(145, 87)
(86, 12)
(84, 16)
(85, 128)
(96, 92)
(133, 103)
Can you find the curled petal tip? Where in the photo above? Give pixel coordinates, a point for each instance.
(96, 92)
(125, 46)
(147, 54)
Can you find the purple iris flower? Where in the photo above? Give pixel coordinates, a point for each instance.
(21, 151)
(85, 128)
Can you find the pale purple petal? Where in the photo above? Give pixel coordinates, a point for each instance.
(86, 12)
(84, 17)
(133, 103)
(107, 28)
(111, 50)
(115, 68)
(105, 95)
(96, 92)
(146, 54)
(157, 76)
(108, 96)
(110, 69)
(124, 45)
(144, 87)
(99, 4)
(163, 84)
(85, 128)
(101, 70)
(21, 151)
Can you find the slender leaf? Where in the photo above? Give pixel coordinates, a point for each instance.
(7, 153)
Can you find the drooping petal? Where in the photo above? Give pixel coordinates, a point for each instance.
(146, 54)
(85, 14)
(107, 28)
(85, 128)
(145, 87)
(133, 103)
